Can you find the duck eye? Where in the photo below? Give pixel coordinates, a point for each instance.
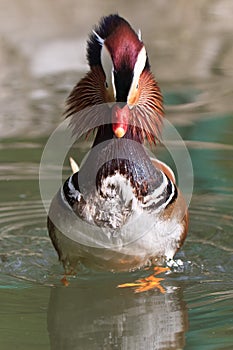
(106, 84)
(137, 86)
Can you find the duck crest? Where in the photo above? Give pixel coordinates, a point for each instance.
(109, 26)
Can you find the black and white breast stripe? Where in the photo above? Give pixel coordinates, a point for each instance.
(71, 190)
(162, 196)
(158, 200)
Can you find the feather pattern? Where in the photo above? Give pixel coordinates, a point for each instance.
(86, 105)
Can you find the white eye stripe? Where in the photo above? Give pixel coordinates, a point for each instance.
(107, 64)
(140, 63)
(138, 68)
(106, 61)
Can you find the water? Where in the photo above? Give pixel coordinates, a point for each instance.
(37, 312)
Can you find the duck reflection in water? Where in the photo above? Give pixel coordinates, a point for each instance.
(99, 316)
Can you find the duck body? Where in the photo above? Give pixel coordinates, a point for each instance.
(122, 210)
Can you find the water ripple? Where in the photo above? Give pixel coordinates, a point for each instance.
(26, 252)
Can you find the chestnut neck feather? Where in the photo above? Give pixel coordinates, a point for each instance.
(87, 107)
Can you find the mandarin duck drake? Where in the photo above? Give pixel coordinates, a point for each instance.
(121, 210)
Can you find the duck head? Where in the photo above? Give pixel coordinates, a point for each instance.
(120, 77)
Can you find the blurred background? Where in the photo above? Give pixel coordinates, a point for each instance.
(42, 44)
(42, 56)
